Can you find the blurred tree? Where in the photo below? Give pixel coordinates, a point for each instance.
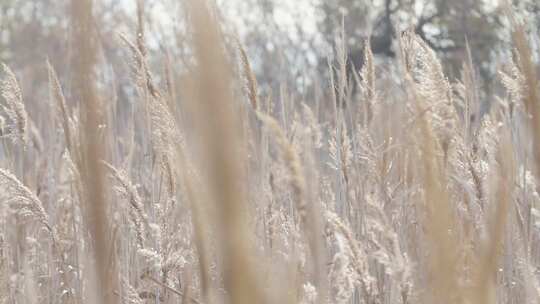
(444, 25)
(286, 40)
(31, 30)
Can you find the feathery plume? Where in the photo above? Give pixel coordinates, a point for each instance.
(14, 108)
(24, 198)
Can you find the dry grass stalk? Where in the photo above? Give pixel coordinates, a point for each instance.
(440, 222)
(57, 96)
(251, 80)
(292, 161)
(484, 290)
(24, 198)
(129, 191)
(214, 114)
(93, 149)
(529, 78)
(367, 83)
(15, 110)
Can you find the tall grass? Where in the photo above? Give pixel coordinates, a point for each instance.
(203, 189)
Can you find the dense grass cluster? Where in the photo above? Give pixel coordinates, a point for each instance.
(408, 189)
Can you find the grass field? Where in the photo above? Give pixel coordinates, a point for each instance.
(203, 189)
